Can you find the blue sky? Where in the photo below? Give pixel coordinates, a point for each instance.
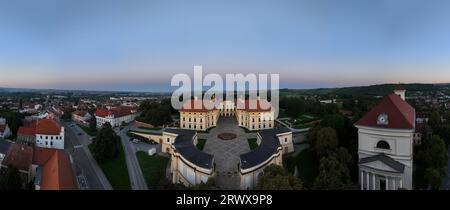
(140, 44)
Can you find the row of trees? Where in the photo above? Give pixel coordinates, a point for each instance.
(297, 106)
(155, 113)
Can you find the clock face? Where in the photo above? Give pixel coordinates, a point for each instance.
(382, 119)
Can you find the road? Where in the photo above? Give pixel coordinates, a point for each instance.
(446, 182)
(89, 175)
(134, 170)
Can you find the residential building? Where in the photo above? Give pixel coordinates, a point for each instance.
(49, 134)
(115, 116)
(47, 169)
(82, 117)
(5, 132)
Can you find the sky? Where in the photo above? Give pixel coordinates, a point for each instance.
(139, 45)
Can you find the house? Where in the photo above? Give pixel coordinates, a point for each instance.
(47, 169)
(385, 144)
(115, 116)
(42, 133)
(4, 147)
(26, 135)
(82, 117)
(5, 132)
(49, 134)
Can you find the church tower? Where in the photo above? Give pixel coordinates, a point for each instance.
(385, 144)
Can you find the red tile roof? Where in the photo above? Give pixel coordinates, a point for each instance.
(254, 105)
(57, 173)
(19, 156)
(80, 113)
(26, 131)
(400, 114)
(196, 106)
(47, 127)
(42, 155)
(116, 112)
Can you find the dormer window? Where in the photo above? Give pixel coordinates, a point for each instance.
(382, 119)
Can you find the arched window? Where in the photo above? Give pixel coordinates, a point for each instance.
(383, 145)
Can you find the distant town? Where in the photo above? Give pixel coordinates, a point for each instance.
(379, 137)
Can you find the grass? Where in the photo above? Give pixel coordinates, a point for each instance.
(88, 130)
(252, 143)
(201, 144)
(307, 165)
(153, 168)
(116, 170)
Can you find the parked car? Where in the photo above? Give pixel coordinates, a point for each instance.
(135, 141)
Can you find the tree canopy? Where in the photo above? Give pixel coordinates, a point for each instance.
(277, 178)
(333, 175)
(10, 179)
(105, 144)
(155, 113)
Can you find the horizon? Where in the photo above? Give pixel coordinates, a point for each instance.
(205, 89)
(138, 46)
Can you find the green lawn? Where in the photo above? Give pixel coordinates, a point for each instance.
(201, 144)
(88, 130)
(308, 166)
(252, 143)
(153, 168)
(116, 170)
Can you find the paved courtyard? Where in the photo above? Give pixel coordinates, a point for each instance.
(226, 152)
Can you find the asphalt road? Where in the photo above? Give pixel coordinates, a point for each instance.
(134, 170)
(89, 175)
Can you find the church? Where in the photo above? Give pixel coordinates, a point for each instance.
(385, 144)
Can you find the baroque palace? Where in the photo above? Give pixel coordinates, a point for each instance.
(259, 116)
(190, 166)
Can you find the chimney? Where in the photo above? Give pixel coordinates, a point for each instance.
(400, 91)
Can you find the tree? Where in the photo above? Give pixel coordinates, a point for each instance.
(435, 120)
(155, 113)
(11, 179)
(326, 141)
(333, 175)
(434, 158)
(276, 178)
(106, 144)
(433, 178)
(93, 124)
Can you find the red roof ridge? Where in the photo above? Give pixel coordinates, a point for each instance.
(402, 114)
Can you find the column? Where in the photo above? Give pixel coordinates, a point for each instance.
(362, 179)
(401, 183)
(393, 183)
(374, 185)
(387, 182)
(368, 180)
